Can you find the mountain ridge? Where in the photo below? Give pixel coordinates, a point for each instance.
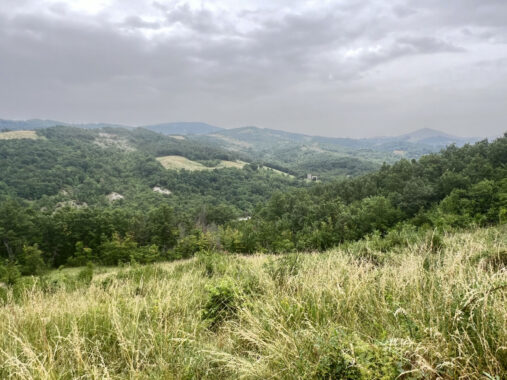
(427, 136)
(183, 128)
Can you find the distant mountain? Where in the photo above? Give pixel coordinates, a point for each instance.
(433, 137)
(419, 142)
(300, 154)
(183, 128)
(27, 124)
(17, 125)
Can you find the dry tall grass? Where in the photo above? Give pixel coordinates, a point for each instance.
(180, 162)
(420, 313)
(12, 135)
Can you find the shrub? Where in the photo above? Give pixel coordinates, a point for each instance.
(224, 300)
(81, 256)
(11, 273)
(345, 356)
(191, 244)
(231, 239)
(119, 251)
(85, 276)
(31, 261)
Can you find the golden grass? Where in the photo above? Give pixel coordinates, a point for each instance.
(180, 162)
(12, 135)
(440, 314)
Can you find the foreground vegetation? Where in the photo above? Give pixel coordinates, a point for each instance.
(414, 306)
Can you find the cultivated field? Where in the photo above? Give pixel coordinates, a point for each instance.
(180, 162)
(433, 307)
(18, 135)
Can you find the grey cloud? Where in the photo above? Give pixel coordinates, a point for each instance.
(137, 22)
(232, 67)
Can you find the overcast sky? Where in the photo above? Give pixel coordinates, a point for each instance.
(337, 68)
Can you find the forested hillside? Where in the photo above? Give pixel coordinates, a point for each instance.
(455, 188)
(328, 157)
(294, 153)
(83, 166)
(69, 202)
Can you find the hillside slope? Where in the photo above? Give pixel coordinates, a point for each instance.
(69, 165)
(328, 157)
(423, 312)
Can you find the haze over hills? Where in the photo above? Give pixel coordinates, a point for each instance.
(430, 136)
(32, 124)
(250, 134)
(174, 128)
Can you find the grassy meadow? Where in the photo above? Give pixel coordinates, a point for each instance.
(13, 135)
(420, 307)
(180, 162)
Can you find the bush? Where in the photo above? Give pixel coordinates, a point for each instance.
(121, 251)
(31, 261)
(224, 300)
(345, 356)
(197, 242)
(11, 273)
(81, 256)
(85, 276)
(231, 239)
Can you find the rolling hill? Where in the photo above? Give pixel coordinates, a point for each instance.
(178, 128)
(75, 166)
(293, 153)
(433, 137)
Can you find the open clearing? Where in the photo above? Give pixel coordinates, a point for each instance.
(12, 135)
(180, 162)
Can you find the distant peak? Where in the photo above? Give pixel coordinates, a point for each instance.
(427, 132)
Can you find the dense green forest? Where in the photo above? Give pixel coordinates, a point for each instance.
(39, 228)
(71, 164)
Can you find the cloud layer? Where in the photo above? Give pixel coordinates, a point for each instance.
(341, 68)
